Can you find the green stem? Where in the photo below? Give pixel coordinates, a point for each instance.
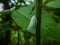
(38, 15)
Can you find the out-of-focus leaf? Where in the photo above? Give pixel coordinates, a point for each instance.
(22, 16)
(14, 37)
(54, 4)
(47, 23)
(47, 20)
(46, 1)
(43, 1)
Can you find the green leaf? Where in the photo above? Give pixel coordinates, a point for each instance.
(47, 20)
(14, 37)
(46, 1)
(22, 16)
(54, 4)
(43, 1)
(47, 24)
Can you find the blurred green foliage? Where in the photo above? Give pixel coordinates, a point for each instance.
(20, 19)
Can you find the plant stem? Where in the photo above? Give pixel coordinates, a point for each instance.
(38, 15)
